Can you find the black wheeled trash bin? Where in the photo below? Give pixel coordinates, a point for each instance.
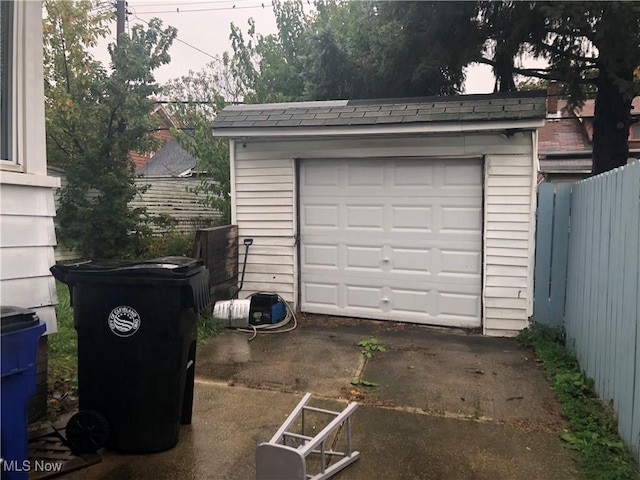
(137, 326)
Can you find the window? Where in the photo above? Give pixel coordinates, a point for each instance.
(635, 131)
(6, 78)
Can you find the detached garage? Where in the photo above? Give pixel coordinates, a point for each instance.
(414, 210)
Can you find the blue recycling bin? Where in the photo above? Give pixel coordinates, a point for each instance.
(20, 331)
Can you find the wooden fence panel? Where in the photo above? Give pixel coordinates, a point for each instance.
(602, 311)
(218, 247)
(542, 271)
(559, 252)
(552, 238)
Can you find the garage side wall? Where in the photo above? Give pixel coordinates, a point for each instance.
(508, 273)
(265, 192)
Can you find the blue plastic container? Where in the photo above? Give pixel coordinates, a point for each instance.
(20, 330)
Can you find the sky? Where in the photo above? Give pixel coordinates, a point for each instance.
(204, 28)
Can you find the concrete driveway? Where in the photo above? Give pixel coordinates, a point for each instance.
(448, 405)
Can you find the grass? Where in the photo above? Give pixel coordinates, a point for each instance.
(62, 376)
(592, 424)
(208, 326)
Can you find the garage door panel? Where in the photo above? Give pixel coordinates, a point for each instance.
(410, 260)
(406, 174)
(364, 217)
(392, 239)
(457, 304)
(408, 239)
(443, 283)
(321, 294)
(320, 256)
(365, 174)
(364, 258)
(461, 219)
(459, 262)
(363, 297)
(462, 173)
(408, 217)
(322, 216)
(316, 174)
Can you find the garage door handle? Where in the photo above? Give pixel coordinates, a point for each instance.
(385, 259)
(385, 300)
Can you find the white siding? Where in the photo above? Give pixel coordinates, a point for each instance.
(264, 172)
(169, 196)
(264, 211)
(508, 242)
(27, 239)
(27, 208)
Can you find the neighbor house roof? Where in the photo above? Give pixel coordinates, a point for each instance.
(562, 135)
(383, 112)
(170, 160)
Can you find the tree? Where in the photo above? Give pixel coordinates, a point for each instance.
(94, 119)
(269, 68)
(396, 49)
(358, 50)
(587, 44)
(194, 100)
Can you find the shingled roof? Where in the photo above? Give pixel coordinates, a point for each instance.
(170, 160)
(341, 113)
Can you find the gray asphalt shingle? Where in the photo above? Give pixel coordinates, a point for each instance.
(170, 160)
(459, 108)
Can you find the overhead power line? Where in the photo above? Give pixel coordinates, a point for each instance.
(208, 2)
(179, 10)
(182, 41)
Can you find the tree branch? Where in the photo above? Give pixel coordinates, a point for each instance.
(64, 55)
(59, 145)
(70, 131)
(529, 72)
(574, 56)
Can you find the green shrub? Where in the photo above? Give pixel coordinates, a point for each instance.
(171, 244)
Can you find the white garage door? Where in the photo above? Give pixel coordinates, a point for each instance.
(392, 239)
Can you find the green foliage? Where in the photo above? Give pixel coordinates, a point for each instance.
(401, 49)
(170, 244)
(357, 50)
(94, 119)
(365, 383)
(593, 429)
(208, 326)
(206, 93)
(269, 68)
(62, 374)
(371, 345)
(589, 46)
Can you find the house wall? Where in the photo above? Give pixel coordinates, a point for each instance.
(164, 196)
(27, 209)
(264, 208)
(169, 196)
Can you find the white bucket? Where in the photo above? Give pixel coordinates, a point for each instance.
(233, 313)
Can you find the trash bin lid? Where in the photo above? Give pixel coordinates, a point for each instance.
(164, 268)
(16, 318)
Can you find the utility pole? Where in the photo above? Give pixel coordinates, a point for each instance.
(121, 11)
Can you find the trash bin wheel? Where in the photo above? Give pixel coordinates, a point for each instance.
(87, 432)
